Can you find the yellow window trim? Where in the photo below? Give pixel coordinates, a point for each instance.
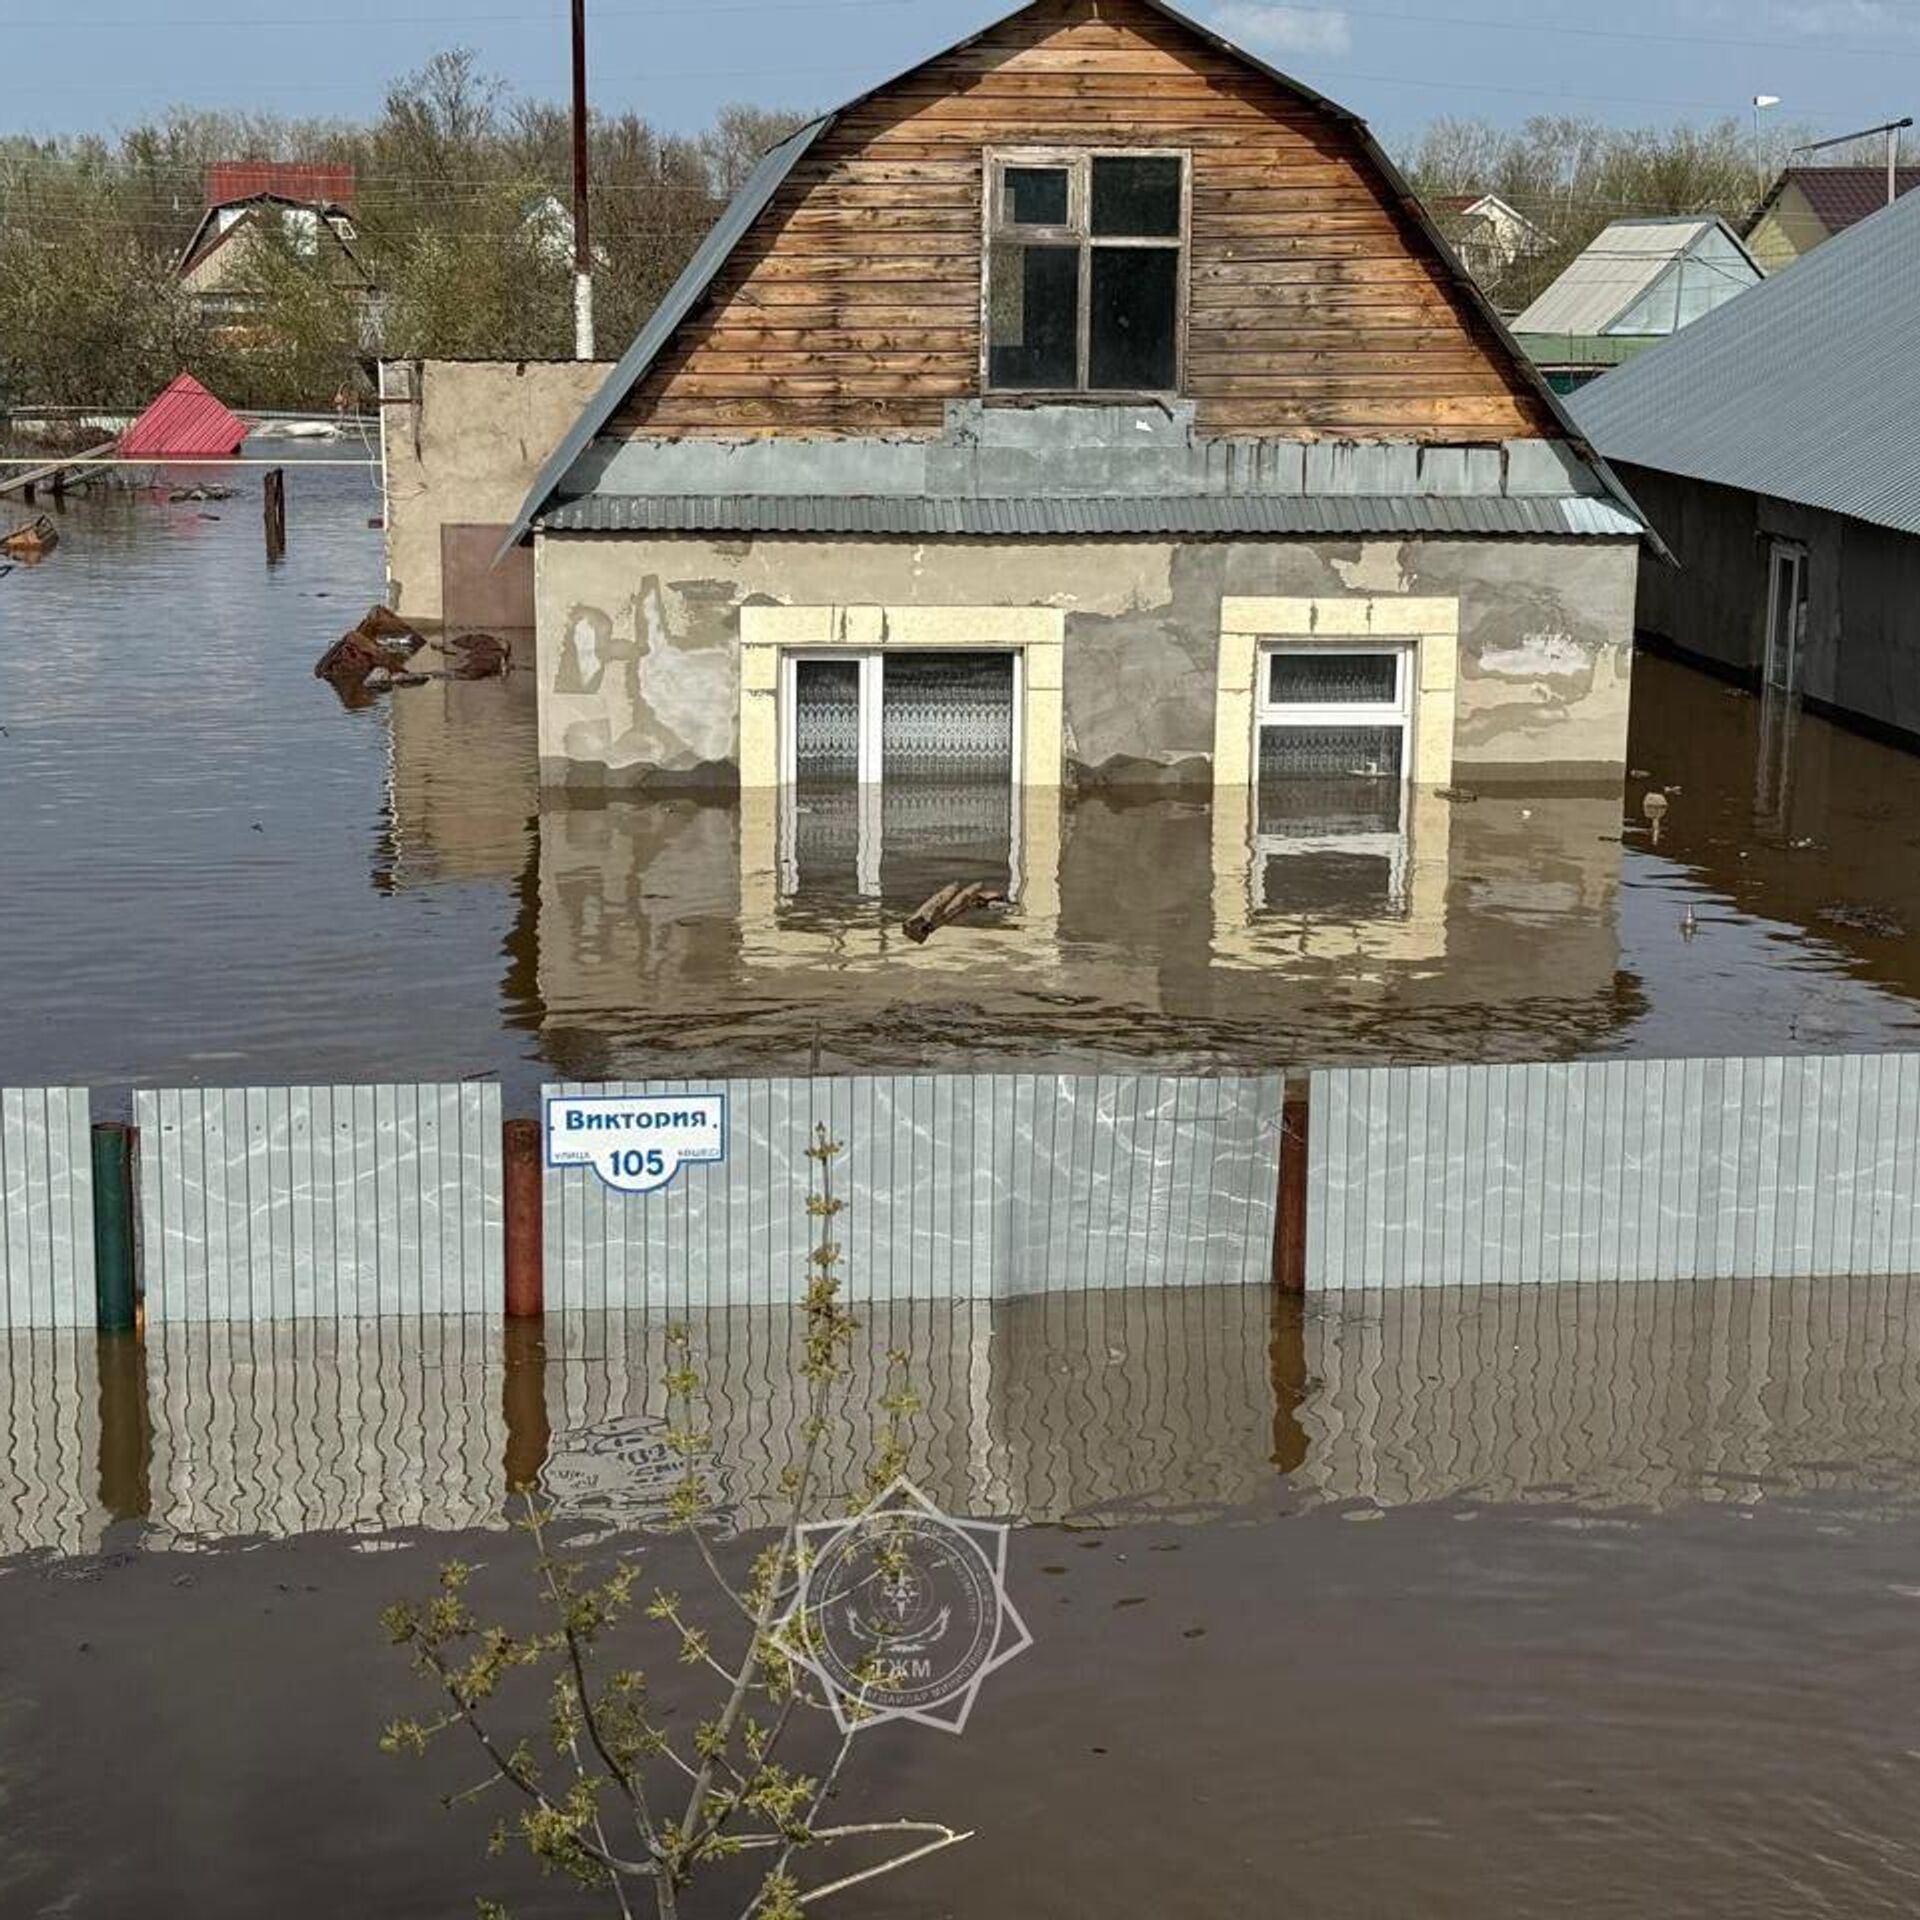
(1037, 634)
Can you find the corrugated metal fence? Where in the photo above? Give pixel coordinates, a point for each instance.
(957, 1186)
(1614, 1170)
(281, 1203)
(46, 1208)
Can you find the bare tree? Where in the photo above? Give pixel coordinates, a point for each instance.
(614, 1794)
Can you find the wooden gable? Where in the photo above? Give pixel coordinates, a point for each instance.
(1316, 306)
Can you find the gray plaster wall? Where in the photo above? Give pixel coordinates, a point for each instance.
(462, 441)
(639, 639)
(1862, 643)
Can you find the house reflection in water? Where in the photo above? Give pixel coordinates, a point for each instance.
(1328, 915)
(1278, 927)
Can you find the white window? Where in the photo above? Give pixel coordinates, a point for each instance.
(898, 770)
(1334, 751)
(1085, 271)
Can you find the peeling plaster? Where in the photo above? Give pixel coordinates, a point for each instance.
(1381, 568)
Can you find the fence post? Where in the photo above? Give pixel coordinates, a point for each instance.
(1290, 1214)
(113, 1225)
(274, 505)
(526, 1275)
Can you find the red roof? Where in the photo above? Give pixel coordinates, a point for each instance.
(185, 423)
(1841, 196)
(326, 186)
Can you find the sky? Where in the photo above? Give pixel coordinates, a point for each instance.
(100, 65)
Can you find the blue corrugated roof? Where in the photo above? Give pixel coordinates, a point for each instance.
(774, 167)
(1803, 388)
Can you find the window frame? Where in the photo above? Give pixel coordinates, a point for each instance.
(1078, 232)
(1269, 712)
(1391, 845)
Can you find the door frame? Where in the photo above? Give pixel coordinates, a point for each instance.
(1788, 557)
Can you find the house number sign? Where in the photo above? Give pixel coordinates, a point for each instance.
(636, 1142)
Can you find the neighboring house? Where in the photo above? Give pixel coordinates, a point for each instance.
(1639, 281)
(1490, 236)
(248, 202)
(1092, 405)
(1807, 205)
(548, 226)
(1777, 446)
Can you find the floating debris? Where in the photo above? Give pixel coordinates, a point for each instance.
(36, 539)
(1859, 918)
(481, 656)
(180, 494)
(366, 658)
(1459, 796)
(949, 904)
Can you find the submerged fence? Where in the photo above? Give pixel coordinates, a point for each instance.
(270, 1204)
(1615, 1170)
(46, 1208)
(956, 1186)
(292, 1203)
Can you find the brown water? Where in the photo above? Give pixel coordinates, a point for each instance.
(214, 873)
(1585, 1601)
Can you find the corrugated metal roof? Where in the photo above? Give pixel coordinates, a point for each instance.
(1841, 197)
(681, 298)
(1614, 271)
(1807, 387)
(185, 423)
(778, 162)
(1546, 516)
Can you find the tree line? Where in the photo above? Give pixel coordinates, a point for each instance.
(460, 214)
(461, 218)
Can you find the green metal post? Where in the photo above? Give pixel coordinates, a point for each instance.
(113, 1224)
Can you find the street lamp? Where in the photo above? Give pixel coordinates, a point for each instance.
(1760, 102)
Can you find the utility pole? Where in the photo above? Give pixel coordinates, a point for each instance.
(1893, 129)
(582, 242)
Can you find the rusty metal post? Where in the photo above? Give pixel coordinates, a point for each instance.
(1290, 1214)
(526, 1271)
(523, 1400)
(274, 509)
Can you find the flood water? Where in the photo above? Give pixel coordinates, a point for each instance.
(218, 874)
(1574, 1601)
(1583, 1601)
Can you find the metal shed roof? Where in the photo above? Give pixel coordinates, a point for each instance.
(1806, 388)
(767, 177)
(185, 423)
(1541, 516)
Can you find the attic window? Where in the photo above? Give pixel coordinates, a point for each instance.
(1085, 282)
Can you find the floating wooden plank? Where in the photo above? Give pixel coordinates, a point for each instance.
(34, 476)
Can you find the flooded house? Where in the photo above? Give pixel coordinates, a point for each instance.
(1090, 406)
(1772, 447)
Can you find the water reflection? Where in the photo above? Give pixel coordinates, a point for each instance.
(1095, 1408)
(233, 880)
